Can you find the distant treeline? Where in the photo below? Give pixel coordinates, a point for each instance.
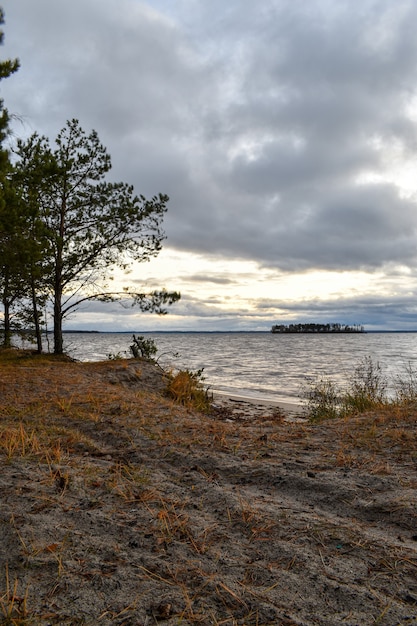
(317, 328)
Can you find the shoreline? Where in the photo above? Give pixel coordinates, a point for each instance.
(255, 407)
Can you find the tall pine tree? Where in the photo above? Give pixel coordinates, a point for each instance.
(7, 68)
(85, 224)
(9, 282)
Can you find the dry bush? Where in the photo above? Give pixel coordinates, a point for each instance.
(186, 388)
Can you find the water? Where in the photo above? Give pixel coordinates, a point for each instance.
(261, 365)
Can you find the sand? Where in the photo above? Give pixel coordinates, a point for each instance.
(242, 405)
(119, 507)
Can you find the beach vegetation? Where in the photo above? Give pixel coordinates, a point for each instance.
(367, 388)
(143, 348)
(323, 399)
(405, 387)
(184, 386)
(187, 388)
(118, 356)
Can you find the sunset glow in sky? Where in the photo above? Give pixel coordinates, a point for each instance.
(284, 132)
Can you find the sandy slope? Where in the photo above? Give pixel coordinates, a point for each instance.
(118, 507)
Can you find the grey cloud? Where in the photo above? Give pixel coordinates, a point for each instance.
(374, 312)
(257, 119)
(218, 280)
(207, 308)
(317, 106)
(282, 166)
(399, 312)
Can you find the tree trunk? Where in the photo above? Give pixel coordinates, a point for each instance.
(36, 317)
(58, 340)
(7, 337)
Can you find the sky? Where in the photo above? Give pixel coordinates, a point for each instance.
(283, 131)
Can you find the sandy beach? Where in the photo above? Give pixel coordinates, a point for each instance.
(119, 506)
(243, 405)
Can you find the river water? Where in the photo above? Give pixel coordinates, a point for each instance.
(261, 365)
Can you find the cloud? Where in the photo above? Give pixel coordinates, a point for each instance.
(278, 129)
(197, 314)
(217, 280)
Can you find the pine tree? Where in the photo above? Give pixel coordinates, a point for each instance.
(7, 68)
(10, 283)
(88, 224)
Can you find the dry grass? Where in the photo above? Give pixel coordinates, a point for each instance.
(146, 511)
(187, 388)
(13, 605)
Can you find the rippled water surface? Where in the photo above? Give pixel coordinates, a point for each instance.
(261, 365)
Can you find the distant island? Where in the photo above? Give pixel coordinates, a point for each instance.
(317, 328)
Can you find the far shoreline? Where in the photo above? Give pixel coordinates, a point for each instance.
(219, 332)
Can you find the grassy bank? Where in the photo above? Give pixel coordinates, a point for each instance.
(120, 505)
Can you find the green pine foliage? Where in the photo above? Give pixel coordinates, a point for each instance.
(88, 224)
(10, 248)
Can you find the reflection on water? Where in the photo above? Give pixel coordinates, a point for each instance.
(262, 365)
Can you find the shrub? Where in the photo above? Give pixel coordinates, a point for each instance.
(117, 357)
(323, 400)
(366, 390)
(406, 387)
(143, 348)
(186, 387)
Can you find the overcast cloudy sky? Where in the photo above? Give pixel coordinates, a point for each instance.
(284, 132)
